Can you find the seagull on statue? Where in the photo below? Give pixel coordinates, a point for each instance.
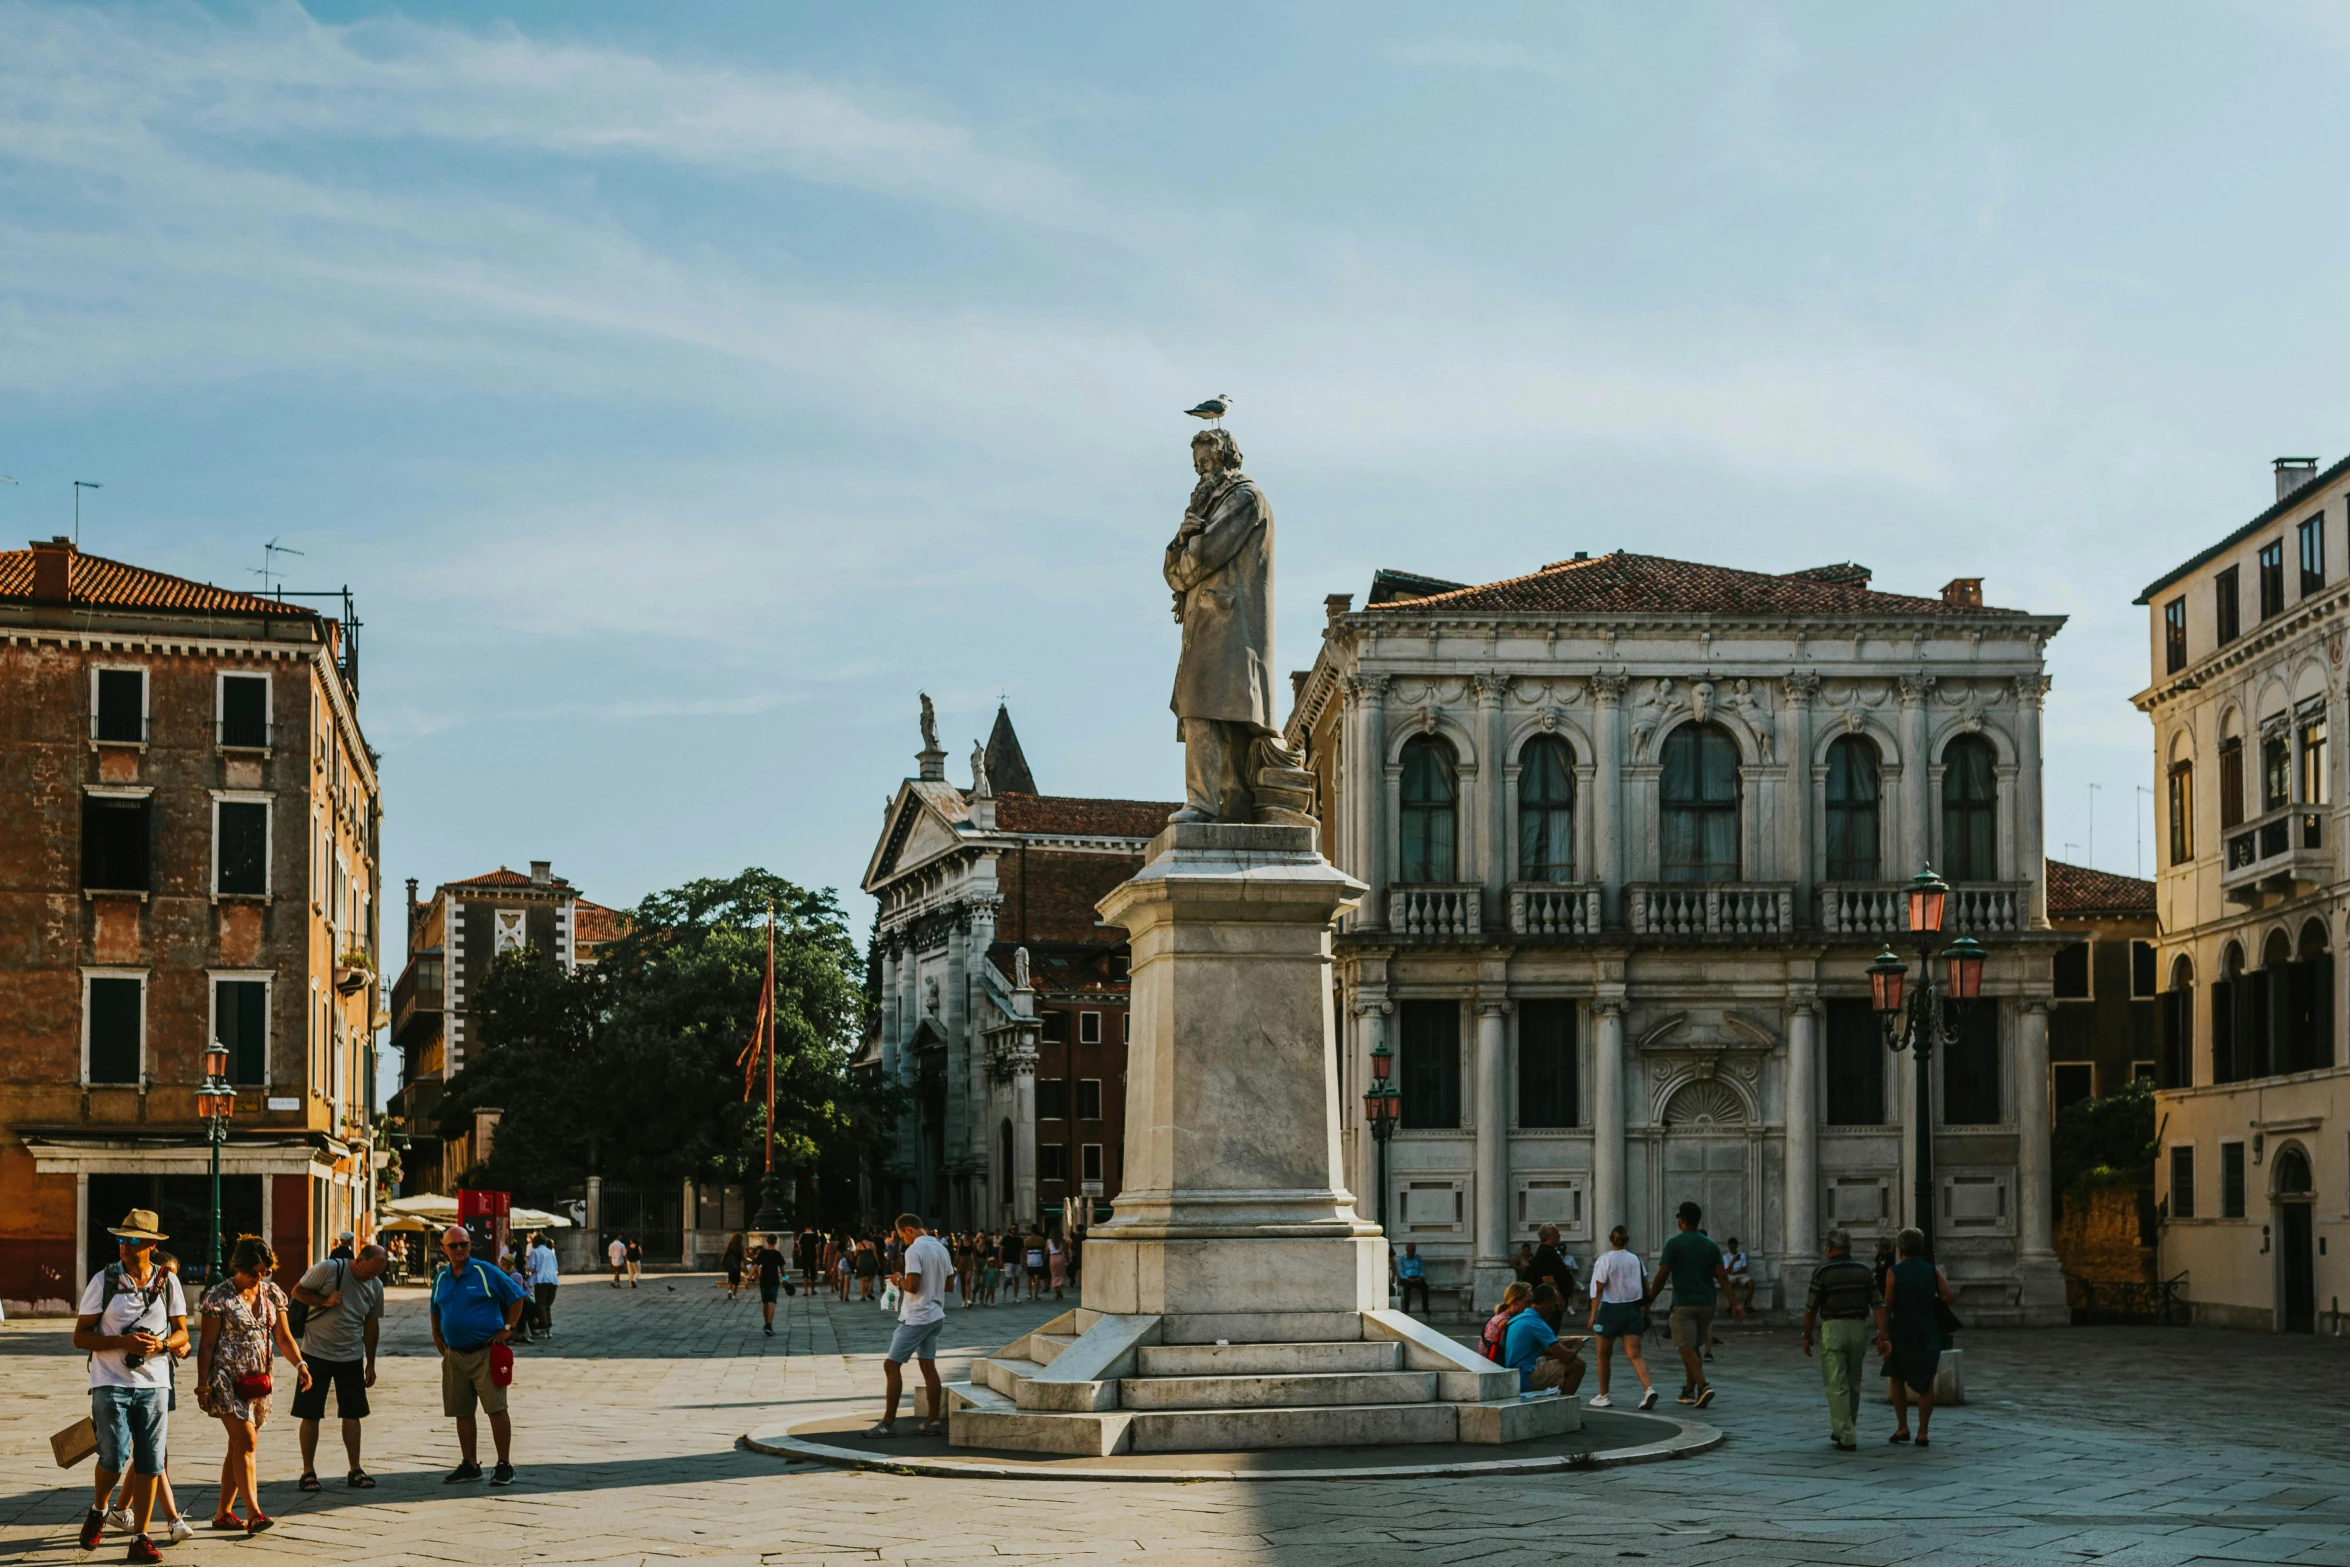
(1214, 408)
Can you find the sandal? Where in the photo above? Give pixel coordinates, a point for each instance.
(260, 1522)
(309, 1480)
(359, 1480)
(1922, 1442)
(1898, 1436)
(881, 1428)
(229, 1522)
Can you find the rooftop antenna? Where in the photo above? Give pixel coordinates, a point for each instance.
(269, 554)
(80, 485)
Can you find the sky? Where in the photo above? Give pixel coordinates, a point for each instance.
(681, 390)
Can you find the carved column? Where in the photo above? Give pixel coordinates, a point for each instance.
(955, 1019)
(1607, 1119)
(1607, 796)
(1802, 1090)
(2031, 691)
(1492, 1271)
(1371, 802)
(1022, 1175)
(891, 955)
(1916, 835)
(976, 1131)
(2034, 1202)
(1802, 687)
(1493, 795)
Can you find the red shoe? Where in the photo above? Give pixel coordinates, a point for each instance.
(93, 1529)
(143, 1550)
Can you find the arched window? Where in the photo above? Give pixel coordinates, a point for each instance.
(2231, 1002)
(1700, 805)
(1546, 810)
(1853, 835)
(2305, 1035)
(2182, 812)
(1431, 810)
(1970, 810)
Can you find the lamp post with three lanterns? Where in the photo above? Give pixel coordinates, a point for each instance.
(216, 1101)
(1929, 1016)
(1382, 1108)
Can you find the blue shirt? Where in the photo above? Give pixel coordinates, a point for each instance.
(1410, 1267)
(1522, 1344)
(472, 1305)
(542, 1266)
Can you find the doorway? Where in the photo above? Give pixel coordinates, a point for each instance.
(1706, 1159)
(2296, 1246)
(182, 1205)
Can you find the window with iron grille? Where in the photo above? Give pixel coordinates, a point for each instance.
(122, 706)
(2182, 1181)
(1856, 1063)
(1431, 1067)
(1546, 1063)
(241, 841)
(244, 711)
(114, 844)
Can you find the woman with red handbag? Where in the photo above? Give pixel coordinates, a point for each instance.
(244, 1326)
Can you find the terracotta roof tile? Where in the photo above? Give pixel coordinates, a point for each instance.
(111, 584)
(592, 924)
(1626, 582)
(502, 877)
(2078, 890)
(1055, 813)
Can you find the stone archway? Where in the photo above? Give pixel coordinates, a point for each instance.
(1706, 1158)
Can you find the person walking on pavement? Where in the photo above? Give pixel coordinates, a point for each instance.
(131, 1320)
(733, 1263)
(636, 1261)
(1907, 1334)
(546, 1277)
(166, 1505)
(346, 1305)
(922, 1315)
(1693, 1265)
(473, 1312)
(1617, 1294)
(617, 1255)
(770, 1282)
(244, 1326)
(1837, 1306)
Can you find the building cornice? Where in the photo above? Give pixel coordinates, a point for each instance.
(2311, 614)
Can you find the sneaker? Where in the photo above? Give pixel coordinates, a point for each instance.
(1705, 1395)
(143, 1550)
(1686, 1397)
(1601, 1402)
(503, 1474)
(181, 1529)
(768, 1329)
(1648, 1399)
(468, 1470)
(119, 1518)
(93, 1529)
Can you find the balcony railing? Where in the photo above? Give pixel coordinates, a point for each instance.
(1435, 909)
(1553, 908)
(2275, 851)
(1882, 908)
(1726, 908)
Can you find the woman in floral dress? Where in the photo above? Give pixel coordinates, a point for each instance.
(244, 1322)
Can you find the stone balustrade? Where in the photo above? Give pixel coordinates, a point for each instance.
(1435, 909)
(1550, 908)
(1729, 908)
(1882, 908)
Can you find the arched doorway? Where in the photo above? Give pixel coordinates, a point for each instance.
(1706, 1159)
(2296, 1251)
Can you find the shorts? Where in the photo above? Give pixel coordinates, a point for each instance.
(465, 1379)
(1545, 1373)
(915, 1341)
(1621, 1319)
(1690, 1324)
(768, 1292)
(350, 1383)
(130, 1423)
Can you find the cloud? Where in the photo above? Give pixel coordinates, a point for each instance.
(1462, 52)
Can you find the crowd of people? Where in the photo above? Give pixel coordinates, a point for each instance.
(984, 1267)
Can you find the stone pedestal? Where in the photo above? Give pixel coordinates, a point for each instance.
(1233, 1202)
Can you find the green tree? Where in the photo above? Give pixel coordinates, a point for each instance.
(630, 1070)
(2108, 1139)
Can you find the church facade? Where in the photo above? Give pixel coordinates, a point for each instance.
(1633, 830)
(1003, 997)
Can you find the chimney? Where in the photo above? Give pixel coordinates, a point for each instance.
(542, 872)
(2294, 472)
(1336, 604)
(1967, 591)
(411, 914)
(53, 571)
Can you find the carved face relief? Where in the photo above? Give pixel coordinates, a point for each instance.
(1701, 700)
(1852, 721)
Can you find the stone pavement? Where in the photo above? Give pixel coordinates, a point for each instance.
(2145, 1447)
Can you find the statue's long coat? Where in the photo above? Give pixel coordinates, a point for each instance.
(1223, 575)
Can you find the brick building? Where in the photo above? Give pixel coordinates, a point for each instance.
(1003, 997)
(192, 856)
(452, 939)
(2104, 1020)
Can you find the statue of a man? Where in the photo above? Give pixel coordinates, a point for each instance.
(1220, 567)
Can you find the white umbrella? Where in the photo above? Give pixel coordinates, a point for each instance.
(429, 1206)
(535, 1219)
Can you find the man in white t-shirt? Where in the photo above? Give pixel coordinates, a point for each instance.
(922, 1315)
(617, 1255)
(131, 1318)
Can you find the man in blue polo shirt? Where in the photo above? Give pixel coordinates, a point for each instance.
(474, 1307)
(1531, 1347)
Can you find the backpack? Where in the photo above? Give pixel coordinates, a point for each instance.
(117, 1283)
(298, 1313)
(1490, 1341)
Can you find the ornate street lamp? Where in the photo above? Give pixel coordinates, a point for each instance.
(1929, 1016)
(216, 1101)
(1382, 1105)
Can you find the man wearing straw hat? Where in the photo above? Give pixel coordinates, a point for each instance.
(132, 1318)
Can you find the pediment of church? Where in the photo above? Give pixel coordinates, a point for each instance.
(923, 823)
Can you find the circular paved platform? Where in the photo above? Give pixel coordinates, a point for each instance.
(1608, 1438)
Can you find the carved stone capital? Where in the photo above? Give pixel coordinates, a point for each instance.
(1495, 1006)
(1608, 687)
(2031, 690)
(1802, 687)
(1492, 688)
(1915, 689)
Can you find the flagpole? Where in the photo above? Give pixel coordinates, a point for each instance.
(771, 1216)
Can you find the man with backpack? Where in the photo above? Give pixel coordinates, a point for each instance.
(337, 1312)
(131, 1319)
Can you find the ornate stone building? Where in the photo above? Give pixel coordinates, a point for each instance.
(2245, 644)
(1003, 997)
(1634, 829)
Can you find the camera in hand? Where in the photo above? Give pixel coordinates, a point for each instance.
(132, 1360)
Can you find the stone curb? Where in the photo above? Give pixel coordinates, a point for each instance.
(1689, 1438)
